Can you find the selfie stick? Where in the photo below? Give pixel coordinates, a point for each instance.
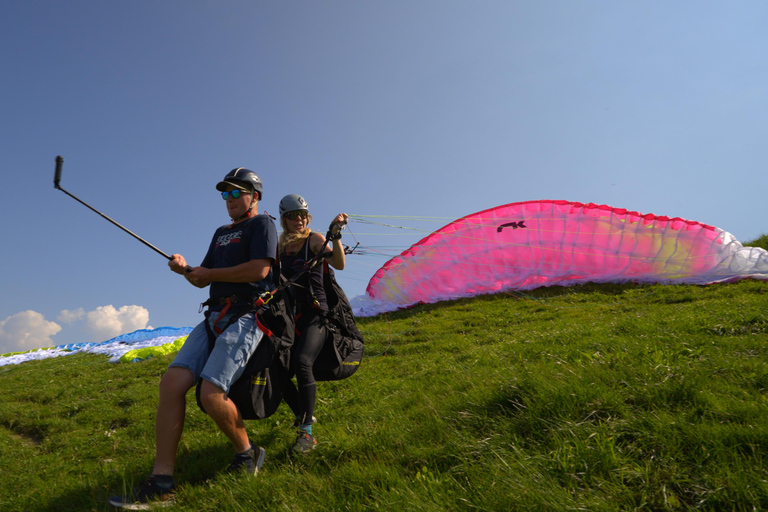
(57, 179)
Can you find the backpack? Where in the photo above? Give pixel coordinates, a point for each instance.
(343, 349)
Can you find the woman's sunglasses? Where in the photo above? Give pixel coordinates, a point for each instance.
(296, 214)
(233, 193)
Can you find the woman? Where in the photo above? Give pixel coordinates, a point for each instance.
(297, 245)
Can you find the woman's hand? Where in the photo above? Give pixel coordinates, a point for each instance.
(338, 223)
(337, 260)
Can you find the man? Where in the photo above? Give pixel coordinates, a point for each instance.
(238, 268)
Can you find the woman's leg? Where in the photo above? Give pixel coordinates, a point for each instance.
(306, 352)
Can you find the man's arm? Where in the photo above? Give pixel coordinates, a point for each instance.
(248, 272)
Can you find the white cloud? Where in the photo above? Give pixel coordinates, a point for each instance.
(106, 322)
(69, 317)
(27, 330)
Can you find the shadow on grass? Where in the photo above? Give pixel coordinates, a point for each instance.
(194, 468)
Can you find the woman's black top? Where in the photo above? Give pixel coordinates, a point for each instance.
(309, 287)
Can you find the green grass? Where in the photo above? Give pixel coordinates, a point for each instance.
(600, 398)
(761, 241)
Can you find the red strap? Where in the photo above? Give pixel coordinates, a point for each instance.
(221, 315)
(296, 321)
(262, 327)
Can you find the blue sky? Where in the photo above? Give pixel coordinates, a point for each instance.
(400, 108)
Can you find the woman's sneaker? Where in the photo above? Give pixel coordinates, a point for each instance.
(304, 442)
(250, 461)
(157, 491)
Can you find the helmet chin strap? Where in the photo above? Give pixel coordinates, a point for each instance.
(246, 214)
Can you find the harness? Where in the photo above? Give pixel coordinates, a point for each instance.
(311, 285)
(310, 263)
(245, 305)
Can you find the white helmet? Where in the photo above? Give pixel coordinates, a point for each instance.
(291, 203)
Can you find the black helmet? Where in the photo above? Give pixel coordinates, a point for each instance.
(241, 178)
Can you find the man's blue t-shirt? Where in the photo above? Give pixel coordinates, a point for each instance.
(252, 239)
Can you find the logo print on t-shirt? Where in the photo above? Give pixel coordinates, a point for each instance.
(229, 239)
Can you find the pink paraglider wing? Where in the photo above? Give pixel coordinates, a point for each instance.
(525, 245)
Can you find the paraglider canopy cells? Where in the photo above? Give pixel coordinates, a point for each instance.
(521, 246)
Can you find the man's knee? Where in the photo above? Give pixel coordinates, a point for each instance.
(211, 395)
(176, 382)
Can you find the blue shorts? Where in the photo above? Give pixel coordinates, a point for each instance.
(230, 353)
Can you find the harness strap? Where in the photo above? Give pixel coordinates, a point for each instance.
(212, 337)
(261, 326)
(221, 315)
(222, 301)
(267, 296)
(296, 323)
(314, 261)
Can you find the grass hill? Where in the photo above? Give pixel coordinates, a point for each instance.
(600, 398)
(761, 241)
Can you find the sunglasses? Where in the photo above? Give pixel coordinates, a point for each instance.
(296, 214)
(234, 194)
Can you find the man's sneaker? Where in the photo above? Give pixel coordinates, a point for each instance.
(250, 461)
(304, 442)
(297, 423)
(153, 493)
